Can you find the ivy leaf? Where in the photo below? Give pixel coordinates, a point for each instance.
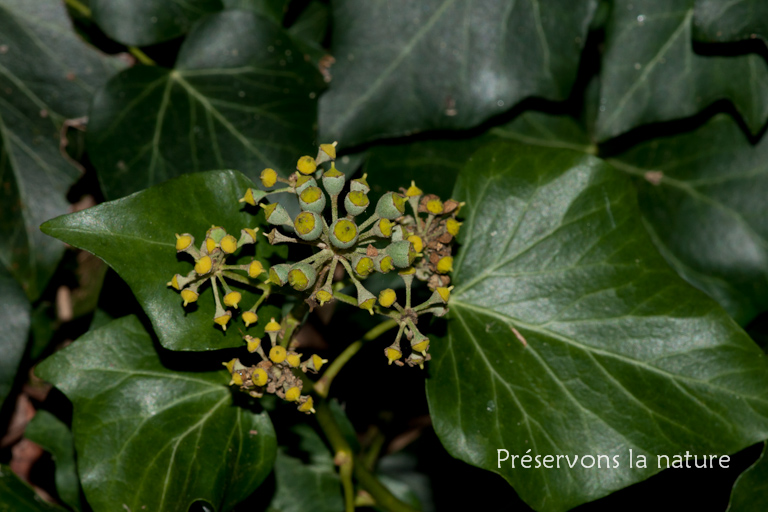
(47, 76)
(404, 67)
(17, 495)
(274, 9)
(750, 492)
(240, 96)
(569, 335)
(146, 22)
(730, 21)
(136, 237)
(314, 485)
(15, 314)
(54, 436)
(703, 194)
(650, 72)
(154, 438)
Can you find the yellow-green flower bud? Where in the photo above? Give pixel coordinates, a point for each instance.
(435, 206)
(277, 354)
(272, 327)
(333, 181)
(210, 245)
(360, 184)
(306, 165)
(324, 295)
(294, 359)
(304, 182)
(229, 244)
(343, 233)
(402, 253)
(308, 406)
(247, 236)
(444, 293)
(230, 365)
(393, 353)
(276, 214)
(252, 343)
(390, 206)
(308, 226)
(445, 265)
(293, 394)
(252, 197)
(232, 299)
(203, 265)
(314, 363)
(312, 199)
(418, 244)
(268, 177)
(362, 264)
(237, 379)
(278, 274)
(260, 377)
(223, 319)
(249, 317)
(189, 296)
(387, 297)
(382, 228)
(184, 242)
(174, 282)
(255, 269)
(326, 152)
(356, 202)
(383, 263)
(415, 359)
(302, 276)
(365, 299)
(413, 190)
(420, 343)
(452, 226)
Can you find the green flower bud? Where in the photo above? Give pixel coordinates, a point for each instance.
(278, 274)
(184, 242)
(252, 196)
(276, 214)
(356, 202)
(302, 276)
(420, 343)
(397, 233)
(383, 263)
(333, 181)
(362, 264)
(312, 199)
(382, 228)
(217, 233)
(402, 253)
(390, 206)
(343, 233)
(360, 185)
(302, 182)
(308, 226)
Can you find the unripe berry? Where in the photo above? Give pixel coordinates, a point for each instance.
(312, 199)
(420, 343)
(387, 297)
(278, 274)
(268, 177)
(333, 181)
(302, 276)
(383, 263)
(304, 182)
(308, 226)
(343, 233)
(418, 244)
(382, 228)
(356, 202)
(402, 253)
(276, 214)
(252, 197)
(362, 264)
(390, 206)
(324, 295)
(306, 165)
(360, 184)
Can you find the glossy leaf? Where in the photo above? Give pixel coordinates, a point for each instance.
(54, 436)
(15, 314)
(241, 97)
(703, 197)
(750, 492)
(47, 76)
(569, 335)
(274, 9)
(145, 22)
(404, 67)
(301, 486)
(715, 20)
(136, 237)
(650, 72)
(154, 438)
(17, 495)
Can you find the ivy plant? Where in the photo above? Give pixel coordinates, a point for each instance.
(383, 255)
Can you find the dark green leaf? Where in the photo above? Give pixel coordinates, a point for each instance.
(14, 318)
(47, 76)
(241, 96)
(703, 195)
(274, 9)
(145, 22)
(309, 30)
(16, 496)
(152, 438)
(750, 492)
(54, 437)
(716, 20)
(314, 485)
(136, 237)
(569, 335)
(650, 72)
(546, 130)
(404, 67)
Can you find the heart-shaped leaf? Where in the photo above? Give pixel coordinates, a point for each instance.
(569, 335)
(17, 495)
(54, 436)
(136, 237)
(15, 319)
(703, 196)
(750, 492)
(240, 96)
(715, 20)
(650, 72)
(152, 438)
(47, 78)
(403, 67)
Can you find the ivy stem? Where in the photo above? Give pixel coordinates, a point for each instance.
(141, 56)
(292, 321)
(324, 384)
(349, 465)
(79, 7)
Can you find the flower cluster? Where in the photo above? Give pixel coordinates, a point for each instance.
(210, 265)
(275, 372)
